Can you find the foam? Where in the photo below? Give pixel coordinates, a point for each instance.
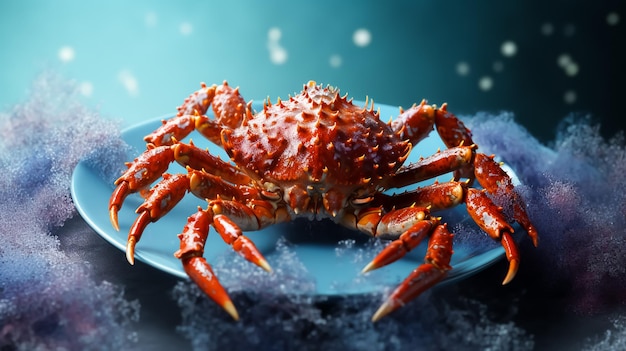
(48, 299)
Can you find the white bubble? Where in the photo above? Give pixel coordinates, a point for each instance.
(569, 30)
(278, 55)
(569, 66)
(485, 83)
(274, 34)
(185, 28)
(129, 82)
(335, 61)
(508, 48)
(569, 97)
(612, 19)
(498, 66)
(150, 19)
(362, 37)
(563, 60)
(547, 29)
(571, 69)
(462, 68)
(85, 89)
(66, 54)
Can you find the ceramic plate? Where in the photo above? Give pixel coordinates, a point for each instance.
(332, 255)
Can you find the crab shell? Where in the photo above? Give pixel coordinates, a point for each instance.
(317, 146)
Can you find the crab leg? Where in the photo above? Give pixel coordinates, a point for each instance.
(490, 219)
(435, 267)
(407, 241)
(188, 155)
(437, 196)
(230, 219)
(453, 132)
(435, 165)
(493, 178)
(162, 198)
(144, 170)
(192, 241)
(229, 108)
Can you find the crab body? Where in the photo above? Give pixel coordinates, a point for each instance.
(318, 150)
(317, 155)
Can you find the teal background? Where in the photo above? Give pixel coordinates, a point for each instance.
(166, 48)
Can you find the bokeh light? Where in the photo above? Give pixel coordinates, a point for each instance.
(362, 37)
(66, 54)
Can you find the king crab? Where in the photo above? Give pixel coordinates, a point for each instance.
(317, 155)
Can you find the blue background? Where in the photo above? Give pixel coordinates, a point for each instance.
(140, 59)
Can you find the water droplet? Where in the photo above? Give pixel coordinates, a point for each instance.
(85, 89)
(274, 34)
(278, 55)
(508, 48)
(462, 68)
(563, 60)
(547, 29)
(571, 69)
(362, 37)
(151, 19)
(485, 83)
(498, 66)
(129, 82)
(66, 54)
(612, 19)
(185, 28)
(569, 97)
(335, 61)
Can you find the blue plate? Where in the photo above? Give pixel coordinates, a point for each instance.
(332, 255)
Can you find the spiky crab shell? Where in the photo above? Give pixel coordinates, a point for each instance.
(317, 137)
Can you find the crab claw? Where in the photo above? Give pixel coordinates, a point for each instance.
(135, 234)
(420, 280)
(435, 267)
(162, 198)
(512, 255)
(144, 170)
(201, 273)
(115, 203)
(401, 246)
(490, 219)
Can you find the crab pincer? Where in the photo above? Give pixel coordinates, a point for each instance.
(162, 198)
(434, 269)
(144, 170)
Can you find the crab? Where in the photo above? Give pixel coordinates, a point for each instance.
(317, 155)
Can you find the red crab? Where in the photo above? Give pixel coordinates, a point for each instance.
(317, 155)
